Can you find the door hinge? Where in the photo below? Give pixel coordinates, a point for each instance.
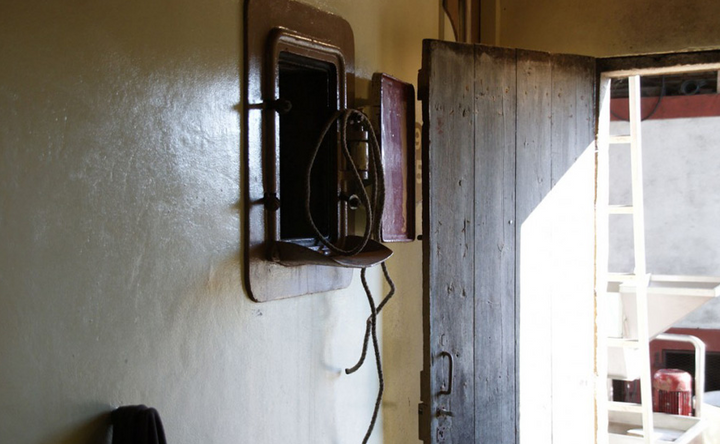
(424, 423)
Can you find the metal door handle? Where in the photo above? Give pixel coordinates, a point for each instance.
(442, 411)
(450, 373)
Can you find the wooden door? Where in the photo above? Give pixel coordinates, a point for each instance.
(501, 128)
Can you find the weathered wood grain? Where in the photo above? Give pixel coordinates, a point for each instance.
(572, 235)
(494, 250)
(508, 242)
(448, 230)
(573, 110)
(533, 176)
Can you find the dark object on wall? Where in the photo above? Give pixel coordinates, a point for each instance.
(311, 158)
(691, 87)
(678, 84)
(626, 391)
(298, 54)
(685, 360)
(137, 424)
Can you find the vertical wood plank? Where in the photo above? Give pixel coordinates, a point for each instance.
(534, 175)
(449, 237)
(494, 251)
(517, 248)
(573, 110)
(534, 140)
(572, 203)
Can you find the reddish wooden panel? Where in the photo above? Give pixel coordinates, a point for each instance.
(394, 120)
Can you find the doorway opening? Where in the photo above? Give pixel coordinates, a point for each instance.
(656, 247)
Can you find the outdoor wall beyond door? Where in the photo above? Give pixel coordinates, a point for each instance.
(680, 159)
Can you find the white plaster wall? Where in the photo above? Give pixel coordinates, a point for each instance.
(681, 158)
(120, 236)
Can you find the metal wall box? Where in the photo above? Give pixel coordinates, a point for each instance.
(287, 44)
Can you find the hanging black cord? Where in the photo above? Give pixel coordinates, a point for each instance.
(368, 327)
(370, 219)
(655, 108)
(374, 211)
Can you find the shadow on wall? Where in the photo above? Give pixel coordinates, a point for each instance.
(95, 429)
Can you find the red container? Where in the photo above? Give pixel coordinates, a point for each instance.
(672, 392)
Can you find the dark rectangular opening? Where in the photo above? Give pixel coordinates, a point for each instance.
(311, 87)
(685, 360)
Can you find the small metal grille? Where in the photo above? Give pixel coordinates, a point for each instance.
(685, 360)
(677, 403)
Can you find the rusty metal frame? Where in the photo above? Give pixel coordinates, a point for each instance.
(272, 27)
(284, 40)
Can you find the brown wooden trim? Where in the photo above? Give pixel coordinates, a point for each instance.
(686, 61)
(475, 21)
(466, 24)
(452, 9)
